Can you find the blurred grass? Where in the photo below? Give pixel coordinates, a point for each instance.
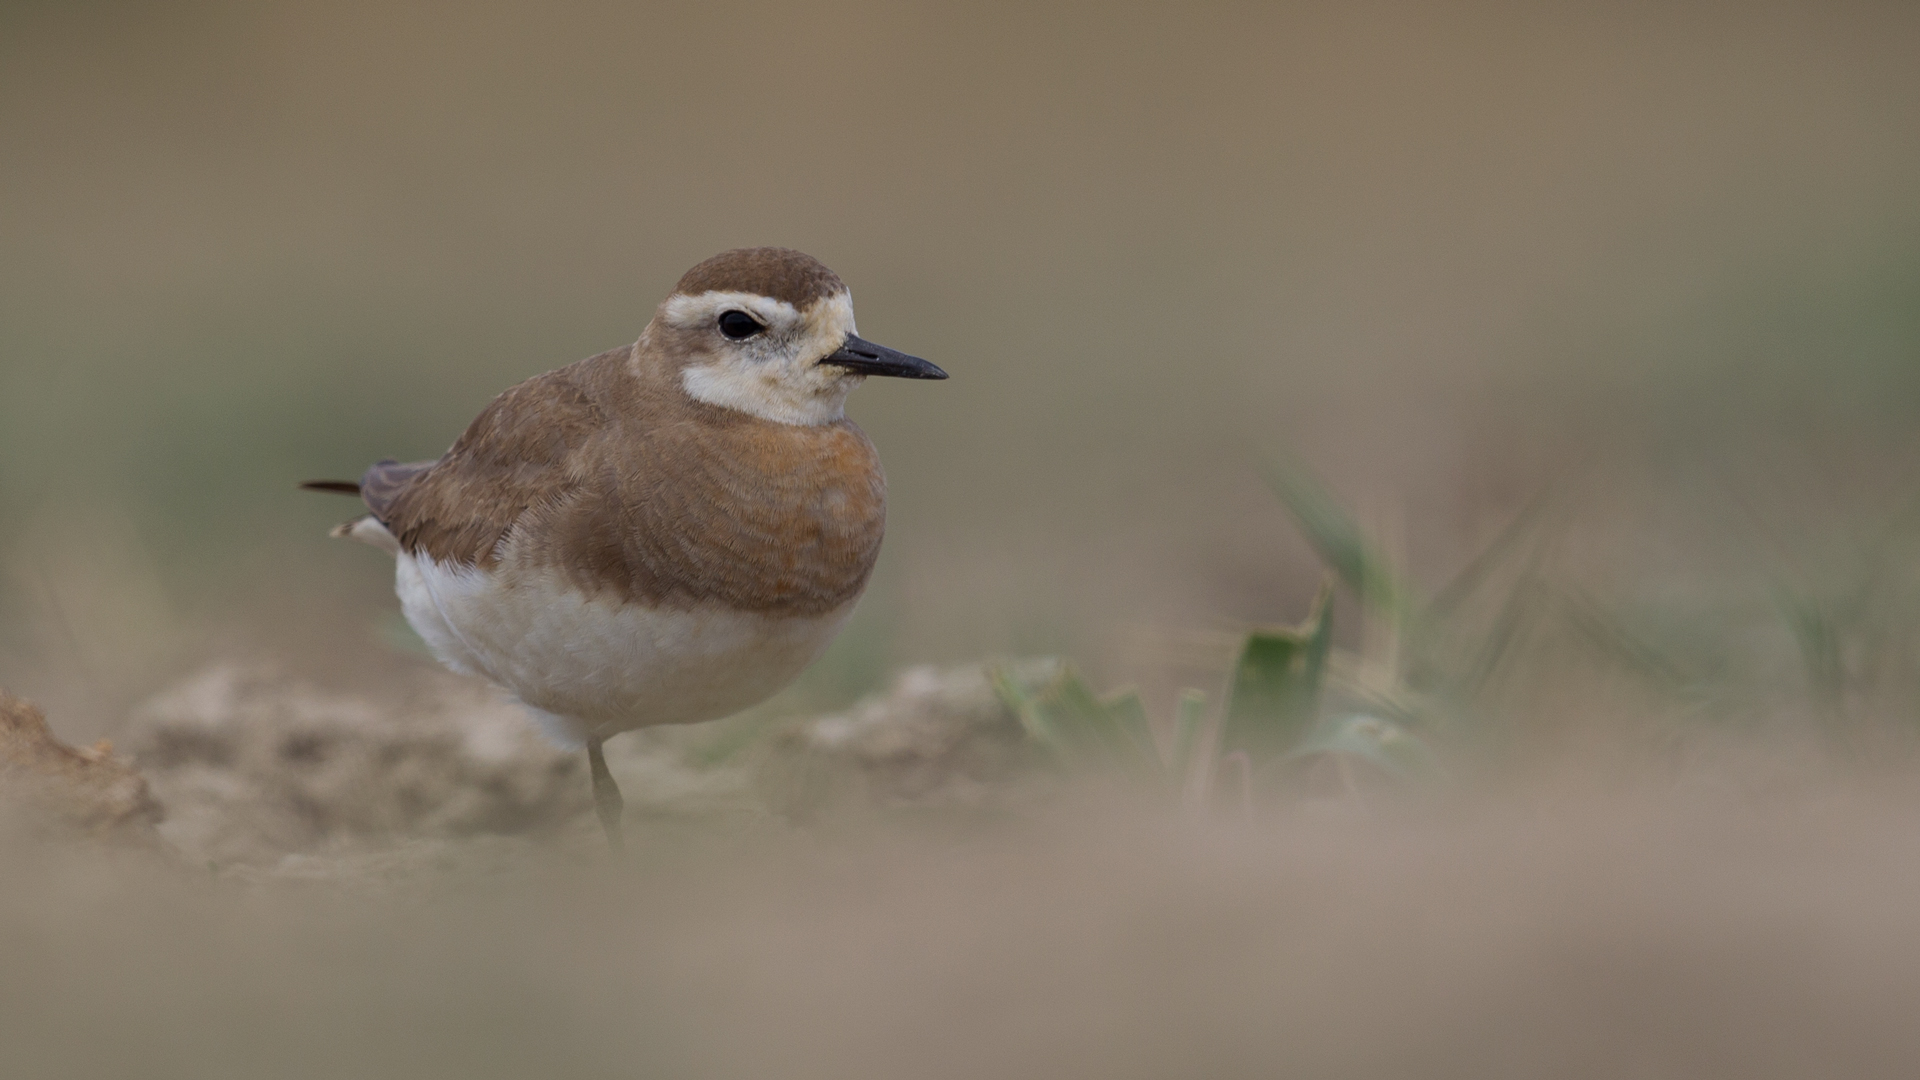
(1445, 670)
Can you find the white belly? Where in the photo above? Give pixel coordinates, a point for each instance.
(599, 665)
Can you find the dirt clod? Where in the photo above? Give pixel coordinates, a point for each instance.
(64, 789)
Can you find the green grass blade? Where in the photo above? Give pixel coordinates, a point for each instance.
(1189, 719)
(1130, 735)
(1083, 731)
(1614, 639)
(1337, 538)
(1518, 614)
(1076, 712)
(1817, 634)
(1476, 572)
(1021, 697)
(1275, 691)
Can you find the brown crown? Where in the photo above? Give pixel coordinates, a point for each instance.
(782, 273)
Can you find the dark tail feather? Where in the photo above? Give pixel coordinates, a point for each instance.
(339, 487)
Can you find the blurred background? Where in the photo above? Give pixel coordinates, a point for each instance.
(1661, 261)
(1625, 295)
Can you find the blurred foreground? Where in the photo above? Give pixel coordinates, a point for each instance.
(1748, 916)
(365, 888)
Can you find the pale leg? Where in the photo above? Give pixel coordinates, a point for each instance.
(606, 794)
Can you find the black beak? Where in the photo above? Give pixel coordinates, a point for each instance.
(863, 356)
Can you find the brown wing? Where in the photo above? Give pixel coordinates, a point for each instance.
(516, 455)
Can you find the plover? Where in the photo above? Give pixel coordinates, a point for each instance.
(664, 533)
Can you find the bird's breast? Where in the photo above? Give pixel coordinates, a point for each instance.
(762, 517)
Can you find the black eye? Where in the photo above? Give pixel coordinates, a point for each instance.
(739, 324)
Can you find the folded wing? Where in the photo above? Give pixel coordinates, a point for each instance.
(518, 454)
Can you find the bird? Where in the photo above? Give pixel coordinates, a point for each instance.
(666, 533)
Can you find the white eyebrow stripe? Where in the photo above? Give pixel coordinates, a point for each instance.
(686, 311)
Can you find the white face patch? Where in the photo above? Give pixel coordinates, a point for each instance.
(775, 374)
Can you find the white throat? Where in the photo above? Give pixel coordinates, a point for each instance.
(768, 398)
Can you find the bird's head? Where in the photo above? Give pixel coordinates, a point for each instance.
(769, 331)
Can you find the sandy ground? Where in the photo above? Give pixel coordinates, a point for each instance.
(263, 773)
(1749, 915)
